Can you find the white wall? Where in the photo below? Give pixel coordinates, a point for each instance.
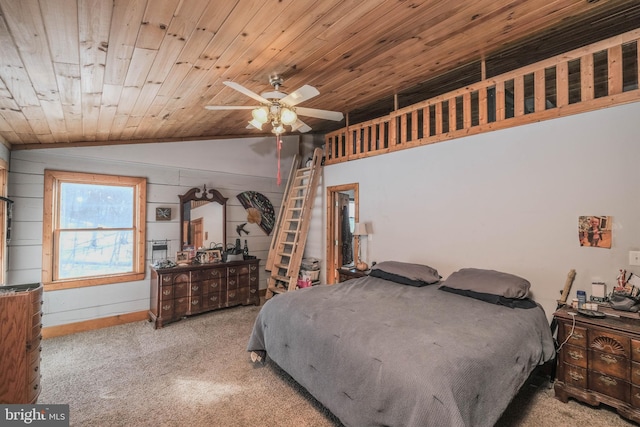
(230, 166)
(507, 200)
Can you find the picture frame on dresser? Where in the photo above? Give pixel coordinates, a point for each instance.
(182, 257)
(214, 255)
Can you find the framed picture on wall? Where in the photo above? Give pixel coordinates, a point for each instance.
(595, 231)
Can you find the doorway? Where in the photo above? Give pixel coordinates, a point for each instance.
(342, 214)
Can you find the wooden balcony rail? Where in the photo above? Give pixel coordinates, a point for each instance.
(597, 76)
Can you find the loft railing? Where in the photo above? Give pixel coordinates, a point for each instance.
(597, 76)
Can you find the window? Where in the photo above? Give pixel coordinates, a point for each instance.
(93, 229)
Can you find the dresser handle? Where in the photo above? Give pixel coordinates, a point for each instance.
(608, 381)
(577, 336)
(232, 294)
(194, 302)
(166, 292)
(576, 376)
(214, 298)
(575, 355)
(232, 282)
(195, 287)
(608, 359)
(253, 291)
(232, 270)
(166, 307)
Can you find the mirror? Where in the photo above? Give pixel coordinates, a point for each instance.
(203, 218)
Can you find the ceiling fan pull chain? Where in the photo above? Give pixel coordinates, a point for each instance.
(279, 144)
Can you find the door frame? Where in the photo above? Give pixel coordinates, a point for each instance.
(332, 227)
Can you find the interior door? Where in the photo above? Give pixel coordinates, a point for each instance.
(337, 197)
(196, 232)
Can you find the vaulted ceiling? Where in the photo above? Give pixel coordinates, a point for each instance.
(121, 71)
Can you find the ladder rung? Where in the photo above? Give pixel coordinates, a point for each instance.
(280, 278)
(277, 290)
(303, 170)
(281, 265)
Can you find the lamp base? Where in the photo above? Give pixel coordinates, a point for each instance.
(362, 266)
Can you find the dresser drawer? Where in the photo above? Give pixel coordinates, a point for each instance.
(180, 289)
(635, 350)
(180, 306)
(635, 396)
(575, 375)
(609, 386)
(166, 292)
(607, 342)
(578, 337)
(609, 364)
(574, 356)
(212, 300)
(166, 309)
(635, 373)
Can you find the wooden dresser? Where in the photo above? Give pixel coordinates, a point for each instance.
(600, 362)
(20, 335)
(186, 290)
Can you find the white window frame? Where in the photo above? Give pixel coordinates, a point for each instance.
(52, 182)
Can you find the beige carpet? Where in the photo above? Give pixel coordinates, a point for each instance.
(196, 372)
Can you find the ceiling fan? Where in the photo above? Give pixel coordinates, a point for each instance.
(278, 108)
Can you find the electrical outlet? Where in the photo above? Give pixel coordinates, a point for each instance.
(634, 257)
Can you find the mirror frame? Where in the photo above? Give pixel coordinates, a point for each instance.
(202, 194)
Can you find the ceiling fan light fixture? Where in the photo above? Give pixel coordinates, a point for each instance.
(277, 129)
(288, 116)
(256, 124)
(261, 115)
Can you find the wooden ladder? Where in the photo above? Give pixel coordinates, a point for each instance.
(292, 227)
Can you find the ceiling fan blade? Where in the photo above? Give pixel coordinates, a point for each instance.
(300, 95)
(320, 114)
(229, 107)
(246, 91)
(300, 126)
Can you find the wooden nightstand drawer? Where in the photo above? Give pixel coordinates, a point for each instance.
(635, 350)
(609, 364)
(575, 356)
(575, 375)
(635, 373)
(635, 396)
(578, 337)
(609, 385)
(607, 342)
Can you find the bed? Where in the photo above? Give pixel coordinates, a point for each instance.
(392, 349)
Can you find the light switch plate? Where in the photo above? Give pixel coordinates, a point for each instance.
(634, 257)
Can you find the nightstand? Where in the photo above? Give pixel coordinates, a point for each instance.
(345, 274)
(600, 362)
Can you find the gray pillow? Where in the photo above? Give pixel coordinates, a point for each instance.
(413, 272)
(488, 282)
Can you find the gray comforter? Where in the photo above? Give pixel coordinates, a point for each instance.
(378, 353)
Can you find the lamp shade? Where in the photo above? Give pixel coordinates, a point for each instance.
(260, 114)
(288, 116)
(360, 229)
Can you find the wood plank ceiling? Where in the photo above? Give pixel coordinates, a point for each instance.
(118, 71)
